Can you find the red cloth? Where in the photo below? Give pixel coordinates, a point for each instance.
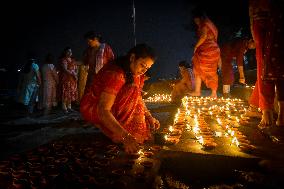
(68, 83)
(207, 55)
(264, 91)
(128, 107)
(96, 59)
(267, 26)
(235, 48)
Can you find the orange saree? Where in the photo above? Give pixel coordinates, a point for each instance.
(128, 108)
(206, 57)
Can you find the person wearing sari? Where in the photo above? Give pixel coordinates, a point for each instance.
(234, 48)
(96, 56)
(49, 84)
(206, 55)
(114, 102)
(29, 83)
(68, 80)
(266, 21)
(185, 85)
(82, 79)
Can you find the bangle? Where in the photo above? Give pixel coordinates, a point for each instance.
(127, 135)
(148, 114)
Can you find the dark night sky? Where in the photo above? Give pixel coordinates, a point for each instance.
(48, 26)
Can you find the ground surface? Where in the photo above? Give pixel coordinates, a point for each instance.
(68, 153)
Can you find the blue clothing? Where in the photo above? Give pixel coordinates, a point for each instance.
(28, 86)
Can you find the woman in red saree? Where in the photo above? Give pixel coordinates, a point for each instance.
(68, 80)
(206, 55)
(114, 102)
(266, 20)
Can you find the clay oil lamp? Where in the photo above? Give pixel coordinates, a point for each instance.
(117, 173)
(19, 174)
(129, 163)
(5, 171)
(59, 155)
(82, 162)
(102, 162)
(35, 166)
(61, 160)
(15, 157)
(133, 156)
(171, 139)
(33, 158)
(84, 179)
(34, 176)
(148, 154)
(248, 148)
(19, 184)
(147, 164)
(112, 147)
(89, 153)
(43, 150)
(49, 159)
(140, 176)
(119, 184)
(101, 181)
(4, 164)
(208, 145)
(155, 148)
(52, 172)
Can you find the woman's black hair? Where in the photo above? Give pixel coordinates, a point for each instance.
(199, 13)
(92, 35)
(28, 65)
(63, 54)
(183, 64)
(49, 59)
(140, 51)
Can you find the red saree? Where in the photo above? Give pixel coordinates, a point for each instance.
(128, 107)
(206, 57)
(68, 83)
(264, 91)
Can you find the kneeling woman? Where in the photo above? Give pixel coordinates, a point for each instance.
(114, 102)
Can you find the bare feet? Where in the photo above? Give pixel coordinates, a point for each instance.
(253, 112)
(213, 94)
(266, 120)
(280, 121)
(194, 93)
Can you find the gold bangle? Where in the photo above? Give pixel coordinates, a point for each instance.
(127, 135)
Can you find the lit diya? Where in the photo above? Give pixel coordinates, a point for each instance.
(20, 183)
(155, 148)
(247, 147)
(118, 172)
(119, 184)
(101, 181)
(147, 164)
(20, 174)
(208, 145)
(148, 154)
(171, 139)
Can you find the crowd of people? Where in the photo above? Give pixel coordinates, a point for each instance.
(109, 89)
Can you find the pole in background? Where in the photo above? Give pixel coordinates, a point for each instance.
(134, 22)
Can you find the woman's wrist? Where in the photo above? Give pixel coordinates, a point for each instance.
(148, 114)
(125, 137)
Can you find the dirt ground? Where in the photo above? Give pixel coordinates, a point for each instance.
(82, 157)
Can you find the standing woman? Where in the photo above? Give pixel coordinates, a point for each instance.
(267, 25)
(114, 102)
(49, 84)
(206, 55)
(68, 79)
(29, 84)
